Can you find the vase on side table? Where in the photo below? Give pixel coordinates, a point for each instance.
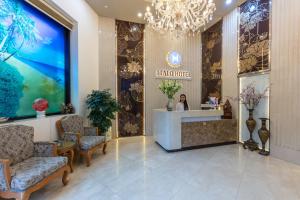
(170, 104)
(264, 135)
(251, 144)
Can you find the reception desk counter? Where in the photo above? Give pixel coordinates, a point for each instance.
(192, 129)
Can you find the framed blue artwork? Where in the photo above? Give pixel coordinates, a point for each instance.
(34, 60)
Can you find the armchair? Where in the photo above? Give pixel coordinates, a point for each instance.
(88, 141)
(26, 166)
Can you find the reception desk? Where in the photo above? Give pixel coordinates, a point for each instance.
(192, 129)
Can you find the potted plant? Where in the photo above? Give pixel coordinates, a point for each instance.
(170, 88)
(102, 109)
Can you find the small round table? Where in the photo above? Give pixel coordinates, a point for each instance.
(66, 148)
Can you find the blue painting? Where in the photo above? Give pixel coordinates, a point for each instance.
(33, 55)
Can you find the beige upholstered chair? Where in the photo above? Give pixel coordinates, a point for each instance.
(88, 141)
(26, 166)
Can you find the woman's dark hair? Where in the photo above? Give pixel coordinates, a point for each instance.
(186, 106)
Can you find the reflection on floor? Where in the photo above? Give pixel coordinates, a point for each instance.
(137, 169)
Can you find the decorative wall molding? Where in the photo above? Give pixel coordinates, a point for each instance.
(212, 62)
(254, 36)
(130, 78)
(285, 82)
(107, 57)
(229, 60)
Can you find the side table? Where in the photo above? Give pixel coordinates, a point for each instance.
(65, 148)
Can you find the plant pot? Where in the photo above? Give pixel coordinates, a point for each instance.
(264, 135)
(170, 105)
(108, 134)
(40, 114)
(251, 144)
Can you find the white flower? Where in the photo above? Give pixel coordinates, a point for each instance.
(131, 128)
(247, 63)
(170, 87)
(136, 87)
(258, 49)
(134, 67)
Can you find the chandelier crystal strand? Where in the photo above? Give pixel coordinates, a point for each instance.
(180, 16)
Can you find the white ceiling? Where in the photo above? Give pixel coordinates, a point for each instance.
(127, 9)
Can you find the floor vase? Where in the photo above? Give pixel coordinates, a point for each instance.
(264, 135)
(251, 144)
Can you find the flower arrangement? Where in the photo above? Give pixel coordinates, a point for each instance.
(250, 97)
(67, 108)
(131, 128)
(40, 105)
(170, 88)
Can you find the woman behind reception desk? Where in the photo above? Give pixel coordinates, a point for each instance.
(182, 105)
(175, 130)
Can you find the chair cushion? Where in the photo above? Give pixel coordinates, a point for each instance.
(2, 179)
(33, 170)
(88, 142)
(16, 143)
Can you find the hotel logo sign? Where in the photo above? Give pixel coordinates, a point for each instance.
(174, 60)
(173, 74)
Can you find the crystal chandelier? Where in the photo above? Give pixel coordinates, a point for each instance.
(180, 16)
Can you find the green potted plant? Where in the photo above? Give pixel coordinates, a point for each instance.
(170, 88)
(102, 109)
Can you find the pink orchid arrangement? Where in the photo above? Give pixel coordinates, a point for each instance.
(250, 97)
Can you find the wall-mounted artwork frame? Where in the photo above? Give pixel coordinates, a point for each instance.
(34, 60)
(254, 37)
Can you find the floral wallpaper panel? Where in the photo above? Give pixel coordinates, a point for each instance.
(212, 62)
(130, 61)
(254, 36)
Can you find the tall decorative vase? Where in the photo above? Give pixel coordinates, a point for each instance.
(264, 135)
(251, 144)
(170, 105)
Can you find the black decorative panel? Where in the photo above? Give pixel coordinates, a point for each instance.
(254, 36)
(212, 62)
(130, 72)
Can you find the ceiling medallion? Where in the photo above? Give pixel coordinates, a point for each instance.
(180, 16)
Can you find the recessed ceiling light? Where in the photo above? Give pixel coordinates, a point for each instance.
(140, 15)
(106, 6)
(227, 2)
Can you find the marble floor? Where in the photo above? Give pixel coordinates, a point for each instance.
(137, 169)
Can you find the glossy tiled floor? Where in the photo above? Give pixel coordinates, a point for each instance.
(137, 169)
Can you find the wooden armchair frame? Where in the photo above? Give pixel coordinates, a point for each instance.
(87, 154)
(62, 172)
